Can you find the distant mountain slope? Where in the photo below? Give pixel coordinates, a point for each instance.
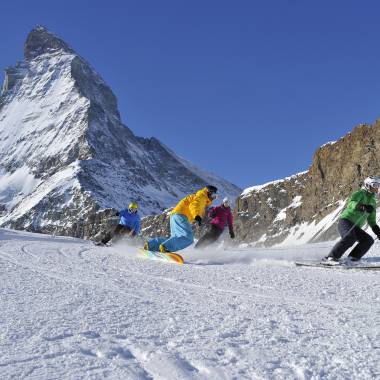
(65, 153)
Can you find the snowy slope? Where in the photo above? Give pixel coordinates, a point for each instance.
(70, 310)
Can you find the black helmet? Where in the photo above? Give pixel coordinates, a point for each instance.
(211, 191)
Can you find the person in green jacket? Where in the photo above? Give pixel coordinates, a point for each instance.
(361, 208)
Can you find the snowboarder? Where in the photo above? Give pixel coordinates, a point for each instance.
(221, 216)
(189, 209)
(129, 224)
(360, 209)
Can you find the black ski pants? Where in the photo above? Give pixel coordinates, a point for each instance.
(117, 234)
(209, 237)
(350, 235)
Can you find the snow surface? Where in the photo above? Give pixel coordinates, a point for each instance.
(15, 186)
(296, 202)
(71, 310)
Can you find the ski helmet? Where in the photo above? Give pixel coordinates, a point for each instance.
(372, 182)
(132, 208)
(226, 202)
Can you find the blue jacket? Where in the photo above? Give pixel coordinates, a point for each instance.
(130, 220)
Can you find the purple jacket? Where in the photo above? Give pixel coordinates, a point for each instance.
(221, 216)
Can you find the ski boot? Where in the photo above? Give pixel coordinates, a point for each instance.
(329, 260)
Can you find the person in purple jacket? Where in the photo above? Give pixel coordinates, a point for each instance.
(220, 217)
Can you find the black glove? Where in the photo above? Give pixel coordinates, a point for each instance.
(212, 214)
(198, 219)
(376, 230)
(364, 208)
(117, 213)
(232, 234)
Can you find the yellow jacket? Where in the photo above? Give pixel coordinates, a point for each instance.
(193, 205)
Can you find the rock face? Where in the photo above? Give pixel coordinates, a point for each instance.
(66, 156)
(40, 41)
(305, 207)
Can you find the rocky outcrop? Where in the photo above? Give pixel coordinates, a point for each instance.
(40, 41)
(263, 209)
(305, 207)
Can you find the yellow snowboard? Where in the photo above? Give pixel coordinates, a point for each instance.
(169, 257)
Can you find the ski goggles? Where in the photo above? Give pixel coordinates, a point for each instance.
(132, 210)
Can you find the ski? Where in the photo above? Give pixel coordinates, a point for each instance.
(319, 264)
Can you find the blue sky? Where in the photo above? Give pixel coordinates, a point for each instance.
(245, 89)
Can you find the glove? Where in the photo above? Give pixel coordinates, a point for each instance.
(198, 219)
(364, 208)
(211, 214)
(232, 234)
(376, 230)
(117, 213)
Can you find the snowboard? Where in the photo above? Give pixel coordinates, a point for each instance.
(319, 264)
(169, 257)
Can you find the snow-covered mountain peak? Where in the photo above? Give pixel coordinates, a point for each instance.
(57, 113)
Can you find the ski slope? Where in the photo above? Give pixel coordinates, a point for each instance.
(71, 310)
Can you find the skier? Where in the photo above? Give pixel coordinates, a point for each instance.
(129, 224)
(360, 209)
(221, 216)
(189, 209)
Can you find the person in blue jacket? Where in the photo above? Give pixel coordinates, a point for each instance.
(129, 224)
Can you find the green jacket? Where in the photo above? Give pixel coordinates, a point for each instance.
(359, 218)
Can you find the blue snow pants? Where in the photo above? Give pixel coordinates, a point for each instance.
(181, 235)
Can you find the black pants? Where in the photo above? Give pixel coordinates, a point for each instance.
(209, 237)
(350, 235)
(117, 234)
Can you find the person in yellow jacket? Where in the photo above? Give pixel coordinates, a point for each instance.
(189, 209)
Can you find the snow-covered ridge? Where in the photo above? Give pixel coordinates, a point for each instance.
(328, 144)
(248, 190)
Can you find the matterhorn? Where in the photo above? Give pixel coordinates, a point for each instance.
(65, 153)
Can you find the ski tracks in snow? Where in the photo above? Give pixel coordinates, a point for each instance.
(73, 310)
